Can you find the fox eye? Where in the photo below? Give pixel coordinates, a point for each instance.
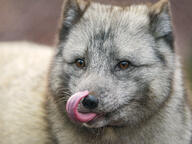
(80, 63)
(123, 65)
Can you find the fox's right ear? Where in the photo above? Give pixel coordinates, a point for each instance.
(71, 14)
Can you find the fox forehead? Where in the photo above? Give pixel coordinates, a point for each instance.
(108, 13)
(112, 24)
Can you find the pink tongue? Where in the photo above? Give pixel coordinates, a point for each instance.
(72, 108)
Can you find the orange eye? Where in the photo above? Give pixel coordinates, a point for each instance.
(124, 65)
(80, 63)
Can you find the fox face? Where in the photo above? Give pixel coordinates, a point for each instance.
(123, 57)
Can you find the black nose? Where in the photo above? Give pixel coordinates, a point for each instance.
(90, 102)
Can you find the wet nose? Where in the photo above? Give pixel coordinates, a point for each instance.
(90, 102)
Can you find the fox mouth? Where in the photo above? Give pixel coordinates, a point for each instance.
(72, 108)
(88, 118)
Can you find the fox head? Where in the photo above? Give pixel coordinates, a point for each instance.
(124, 57)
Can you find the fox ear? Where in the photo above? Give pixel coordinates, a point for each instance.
(71, 14)
(160, 21)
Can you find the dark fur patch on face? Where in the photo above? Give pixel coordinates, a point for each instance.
(64, 88)
(160, 56)
(169, 39)
(100, 37)
(59, 51)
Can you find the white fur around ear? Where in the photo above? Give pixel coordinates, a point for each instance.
(83, 4)
(160, 6)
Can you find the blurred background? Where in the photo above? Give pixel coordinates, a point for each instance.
(37, 21)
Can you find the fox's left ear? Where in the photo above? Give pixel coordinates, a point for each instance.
(160, 21)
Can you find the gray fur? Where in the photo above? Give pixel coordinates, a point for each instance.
(140, 103)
